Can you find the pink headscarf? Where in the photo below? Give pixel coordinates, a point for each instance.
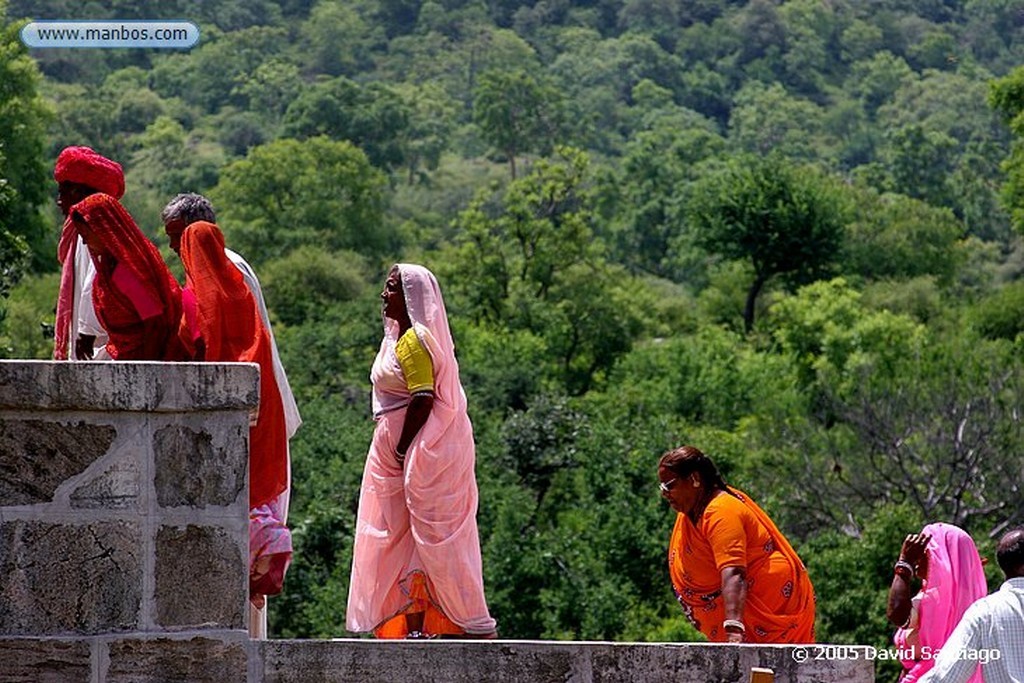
(426, 309)
(955, 580)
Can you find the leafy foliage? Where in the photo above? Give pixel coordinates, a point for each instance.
(726, 156)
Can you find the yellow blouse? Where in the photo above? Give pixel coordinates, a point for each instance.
(415, 361)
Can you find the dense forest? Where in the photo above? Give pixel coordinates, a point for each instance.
(787, 232)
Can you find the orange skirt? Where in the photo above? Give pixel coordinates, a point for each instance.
(435, 623)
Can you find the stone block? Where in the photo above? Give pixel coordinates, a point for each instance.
(116, 488)
(369, 661)
(37, 456)
(128, 386)
(62, 579)
(44, 661)
(192, 471)
(201, 578)
(160, 660)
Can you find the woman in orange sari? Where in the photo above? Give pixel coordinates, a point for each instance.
(735, 575)
(223, 322)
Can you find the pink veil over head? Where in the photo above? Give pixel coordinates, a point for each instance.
(955, 580)
(426, 309)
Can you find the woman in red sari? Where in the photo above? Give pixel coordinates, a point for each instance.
(735, 575)
(228, 327)
(137, 300)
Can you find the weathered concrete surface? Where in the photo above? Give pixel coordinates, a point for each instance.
(368, 661)
(192, 470)
(43, 661)
(74, 578)
(134, 386)
(196, 660)
(37, 456)
(200, 578)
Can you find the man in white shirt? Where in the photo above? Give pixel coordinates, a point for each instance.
(80, 172)
(991, 632)
(179, 213)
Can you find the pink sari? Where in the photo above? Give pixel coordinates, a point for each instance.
(420, 519)
(955, 580)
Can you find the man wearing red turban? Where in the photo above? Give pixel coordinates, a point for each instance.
(136, 300)
(80, 172)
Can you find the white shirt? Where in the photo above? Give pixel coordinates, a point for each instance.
(993, 629)
(292, 419)
(83, 312)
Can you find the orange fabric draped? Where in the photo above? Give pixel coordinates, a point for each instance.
(137, 300)
(734, 532)
(230, 327)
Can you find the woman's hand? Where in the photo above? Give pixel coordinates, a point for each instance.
(914, 548)
(415, 417)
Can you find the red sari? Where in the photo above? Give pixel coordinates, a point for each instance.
(231, 328)
(137, 300)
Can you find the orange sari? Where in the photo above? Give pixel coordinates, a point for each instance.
(734, 532)
(231, 328)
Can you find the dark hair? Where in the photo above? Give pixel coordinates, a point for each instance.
(686, 460)
(189, 207)
(1010, 553)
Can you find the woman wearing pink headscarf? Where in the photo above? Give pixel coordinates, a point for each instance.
(416, 568)
(946, 560)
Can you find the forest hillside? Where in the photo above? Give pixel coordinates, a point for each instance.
(786, 232)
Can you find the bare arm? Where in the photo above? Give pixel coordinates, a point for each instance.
(897, 609)
(415, 417)
(734, 594)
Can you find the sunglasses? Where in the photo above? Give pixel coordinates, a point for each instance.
(666, 486)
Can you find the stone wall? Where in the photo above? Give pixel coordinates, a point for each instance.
(123, 521)
(369, 661)
(123, 553)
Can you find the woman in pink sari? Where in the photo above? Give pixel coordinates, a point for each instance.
(416, 567)
(946, 560)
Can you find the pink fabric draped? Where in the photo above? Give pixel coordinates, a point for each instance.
(420, 518)
(269, 537)
(955, 579)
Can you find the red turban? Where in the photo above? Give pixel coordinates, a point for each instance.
(83, 166)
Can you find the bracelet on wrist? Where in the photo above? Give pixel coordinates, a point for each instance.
(903, 568)
(734, 624)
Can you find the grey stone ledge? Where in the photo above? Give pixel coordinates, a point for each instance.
(510, 661)
(127, 386)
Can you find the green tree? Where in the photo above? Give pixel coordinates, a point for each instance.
(783, 219)
(23, 176)
(517, 113)
(288, 193)
(306, 282)
(1007, 98)
(894, 236)
(645, 201)
(432, 116)
(765, 119)
(528, 260)
(373, 117)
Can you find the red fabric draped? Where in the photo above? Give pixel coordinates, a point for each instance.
(231, 328)
(66, 249)
(137, 300)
